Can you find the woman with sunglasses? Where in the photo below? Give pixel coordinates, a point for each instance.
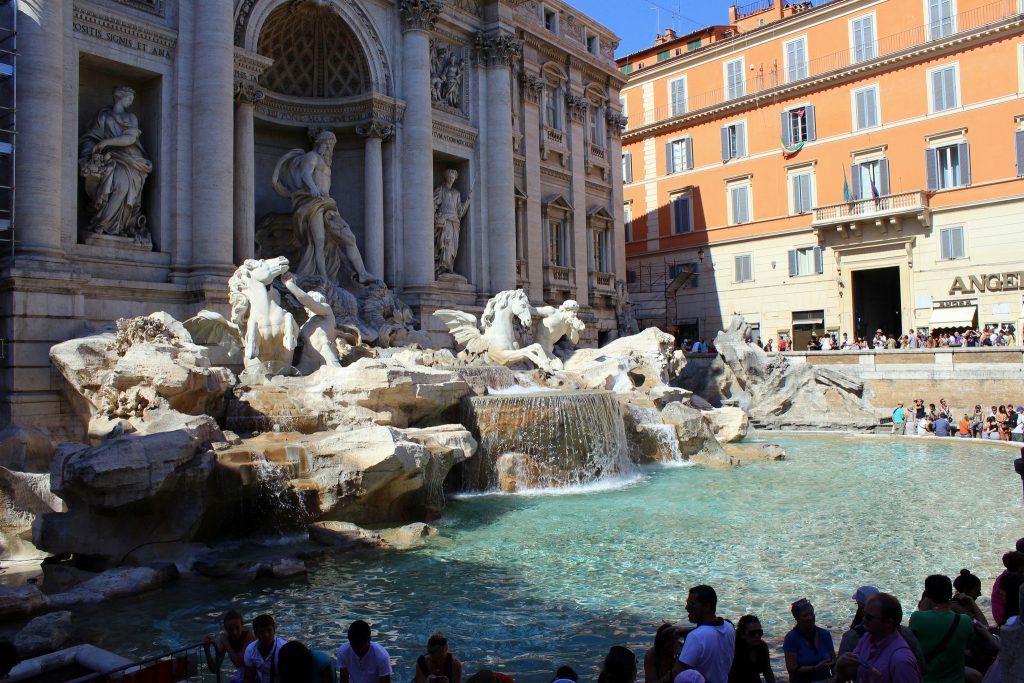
(751, 660)
(809, 651)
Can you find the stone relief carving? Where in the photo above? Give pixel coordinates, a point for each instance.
(577, 106)
(449, 209)
(419, 15)
(498, 48)
(624, 311)
(446, 71)
(114, 168)
(533, 86)
(319, 334)
(616, 122)
(375, 128)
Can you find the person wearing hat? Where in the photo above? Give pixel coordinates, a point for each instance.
(438, 665)
(858, 629)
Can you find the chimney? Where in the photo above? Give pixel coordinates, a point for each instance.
(732, 15)
(665, 37)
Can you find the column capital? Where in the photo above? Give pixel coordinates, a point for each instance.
(577, 106)
(418, 15)
(497, 48)
(616, 122)
(249, 92)
(533, 86)
(376, 128)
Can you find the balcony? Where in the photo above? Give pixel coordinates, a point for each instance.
(595, 155)
(552, 140)
(559, 279)
(883, 211)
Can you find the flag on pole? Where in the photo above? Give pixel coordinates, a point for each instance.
(874, 188)
(846, 187)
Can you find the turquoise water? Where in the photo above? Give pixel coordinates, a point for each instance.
(525, 583)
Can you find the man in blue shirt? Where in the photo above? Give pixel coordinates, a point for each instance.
(941, 425)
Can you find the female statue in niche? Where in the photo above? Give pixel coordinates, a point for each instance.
(114, 167)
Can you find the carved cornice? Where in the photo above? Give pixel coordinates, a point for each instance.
(616, 122)
(418, 15)
(577, 106)
(152, 6)
(249, 66)
(375, 128)
(447, 131)
(140, 36)
(497, 48)
(345, 113)
(533, 86)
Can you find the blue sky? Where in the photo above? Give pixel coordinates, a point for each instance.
(636, 21)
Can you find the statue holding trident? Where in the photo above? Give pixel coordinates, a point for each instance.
(305, 178)
(449, 210)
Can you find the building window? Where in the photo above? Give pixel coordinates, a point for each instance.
(689, 273)
(663, 55)
(805, 261)
(631, 277)
(798, 125)
(951, 241)
(677, 96)
(627, 220)
(1018, 138)
(681, 204)
(551, 107)
(734, 141)
(865, 105)
(693, 45)
(593, 46)
(796, 60)
(948, 166)
(622, 105)
(863, 32)
(600, 253)
(943, 82)
(679, 155)
(941, 20)
(550, 20)
(803, 192)
(734, 84)
(627, 167)
(739, 203)
(558, 243)
(870, 178)
(597, 125)
(744, 268)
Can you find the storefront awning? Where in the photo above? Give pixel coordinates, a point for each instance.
(960, 316)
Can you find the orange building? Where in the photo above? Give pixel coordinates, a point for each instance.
(845, 166)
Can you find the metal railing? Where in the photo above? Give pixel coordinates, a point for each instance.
(935, 31)
(753, 8)
(864, 208)
(187, 663)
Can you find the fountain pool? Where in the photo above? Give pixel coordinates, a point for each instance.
(523, 583)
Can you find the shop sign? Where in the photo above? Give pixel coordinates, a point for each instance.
(955, 303)
(994, 282)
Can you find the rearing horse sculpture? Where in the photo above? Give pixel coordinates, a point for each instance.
(497, 342)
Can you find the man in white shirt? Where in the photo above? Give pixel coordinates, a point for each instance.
(361, 660)
(710, 645)
(260, 659)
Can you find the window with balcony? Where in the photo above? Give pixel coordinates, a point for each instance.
(951, 243)
(627, 167)
(681, 204)
(600, 250)
(734, 141)
(802, 188)
(862, 30)
(552, 107)
(865, 108)
(806, 261)
(597, 125)
(941, 19)
(734, 83)
(739, 203)
(870, 178)
(943, 86)
(744, 268)
(679, 155)
(677, 96)
(558, 242)
(948, 166)
(798, 125)
(796, 59)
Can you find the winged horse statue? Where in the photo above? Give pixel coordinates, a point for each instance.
(496, 342)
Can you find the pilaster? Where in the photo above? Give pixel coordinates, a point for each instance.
(576, 108)
(375, 132)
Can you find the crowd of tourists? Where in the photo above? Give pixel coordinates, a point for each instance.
(948, 639)
(999, 423)
(938, 339)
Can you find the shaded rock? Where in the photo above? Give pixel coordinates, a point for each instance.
(740, 453)
(245, 570)
(344, 535)
(409, 536)
(519, 471)
(696, 440)
(46, 633)
(114, 583)
(649, 438)
(23, 496)
(59, 577)
(287, 567)
(728, 424)
(24, 449)
(20, 602)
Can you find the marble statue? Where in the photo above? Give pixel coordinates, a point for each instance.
(496, 341)
(305, 178)
(446, 69)
(448, 212)
(625, 320)
(556, 323)
(319, 334)
(114, 167)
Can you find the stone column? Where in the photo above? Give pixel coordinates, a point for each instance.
(40, 137)
(533, 86)
(375, 133)
(616, 123)
(246, 95)
(497, 51)
(418, 17)
(212, 140)
(576, 107)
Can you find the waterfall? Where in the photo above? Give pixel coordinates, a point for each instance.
(277, 499)
(647, 422)
(543, 440)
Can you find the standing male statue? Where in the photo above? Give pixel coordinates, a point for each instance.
(114, 168)
(305, 178)
(448, 212)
